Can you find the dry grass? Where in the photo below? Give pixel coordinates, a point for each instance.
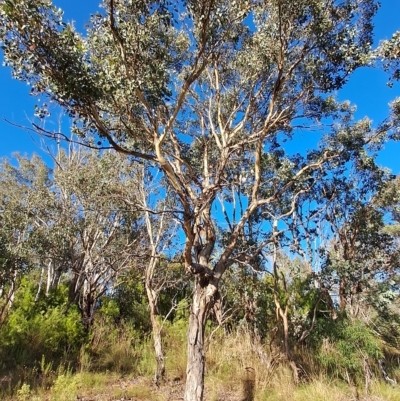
(281, 387)
(385, 392)
(238, 369)
(237, 364)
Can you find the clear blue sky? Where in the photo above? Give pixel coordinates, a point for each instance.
(367, 87)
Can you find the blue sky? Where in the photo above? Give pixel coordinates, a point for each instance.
(367, 88)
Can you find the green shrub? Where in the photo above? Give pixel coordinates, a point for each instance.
(65, 388)
(347, 348)
(24, 393)
(48, 328)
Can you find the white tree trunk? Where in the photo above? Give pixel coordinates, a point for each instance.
(156, 332)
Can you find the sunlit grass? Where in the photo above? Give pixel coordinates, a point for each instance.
(238, 368)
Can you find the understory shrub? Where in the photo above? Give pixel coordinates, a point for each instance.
(44, 329)
(348, 350)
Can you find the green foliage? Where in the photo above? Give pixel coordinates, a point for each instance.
(68, 221)
(248, 301)
(129, 300)
(346, 348)
(360, 252)
(388, 54)
(48, 328)
(65, 387)
(24, 393)
(17, 188)
(181, 313)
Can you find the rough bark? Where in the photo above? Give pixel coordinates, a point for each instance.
(203, 296)
(342, 296)
(87, 308)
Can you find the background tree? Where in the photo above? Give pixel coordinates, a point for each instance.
(71, 224)
(100, 235)
(359, 251)
(161, 228)
(20, 189)
(388, 55)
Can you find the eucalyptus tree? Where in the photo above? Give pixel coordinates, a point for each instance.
(388, 200)
(207, 91)
(20, 190)
(161, 230)
(388, 55)
(71, 222)
(98, 235)
(89, 220)
(358, 252)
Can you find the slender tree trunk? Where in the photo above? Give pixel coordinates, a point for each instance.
(85, 312)
(40, 284)
(156, 332)
(280, 311)
(286, 333)
(203, 296)
(53, 277)
(72, 293)
(50, 272)
(88, 303)
(155, 239)
(342, 295)
(158, 348)
(8, 302)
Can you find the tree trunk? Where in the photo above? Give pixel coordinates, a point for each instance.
(7, 303)
(203, 296)
(87, 307)
(73, 288)
(156, 332)
(284, 317)
(342, 296)
(40, 284)
(50, 272)
(158, 348)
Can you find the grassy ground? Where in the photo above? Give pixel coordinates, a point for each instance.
(238, 369)
(108, 387)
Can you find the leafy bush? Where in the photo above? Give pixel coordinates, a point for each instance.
(347, 348)
(65, 387)
(47, 328)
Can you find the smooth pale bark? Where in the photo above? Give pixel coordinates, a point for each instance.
(8, 301)
(156, 247)
(158, 348)
(40, 284)
(284, 316)
(50, 277)
(156, 332)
